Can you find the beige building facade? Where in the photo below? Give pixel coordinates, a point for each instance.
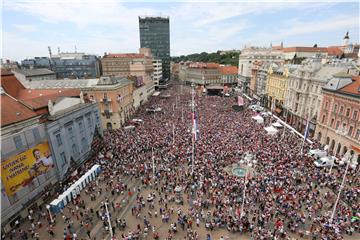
(115, 98)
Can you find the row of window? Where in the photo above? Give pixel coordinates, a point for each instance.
(341, 111)
(18, 140)
(70, 129)
(336, 126)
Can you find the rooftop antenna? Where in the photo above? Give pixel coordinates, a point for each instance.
(58, 50)
(49, 51)
(75, 48)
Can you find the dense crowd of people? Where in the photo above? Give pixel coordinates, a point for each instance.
(286, 196)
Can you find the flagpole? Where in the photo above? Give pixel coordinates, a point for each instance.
(173, 132)
(153, 161)
(182, 114)
(193, 129)
(305, 135)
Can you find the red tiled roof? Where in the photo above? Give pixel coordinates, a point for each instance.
(10, 84)
(26, 103)
(204, 65)
(277, 47)
(228, 70)
(5, 72)
(12, 111)
(352, 88)
(39, 98)
(334, 51)
(305, 49)
(125, 55)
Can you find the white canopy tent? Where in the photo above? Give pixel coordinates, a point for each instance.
(277, 125)
(258, 119)
(271, 130)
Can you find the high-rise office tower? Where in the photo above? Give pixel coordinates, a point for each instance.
(155, 34)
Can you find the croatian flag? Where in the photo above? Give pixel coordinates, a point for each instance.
(307, 128)
(194, 126)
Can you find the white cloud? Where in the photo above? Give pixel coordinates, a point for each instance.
(300, 28)
(112, 26)
(80, 12)
(25, 27)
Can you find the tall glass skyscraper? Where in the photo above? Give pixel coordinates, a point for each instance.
(155, 34)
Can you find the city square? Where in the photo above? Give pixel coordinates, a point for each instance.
(171, 120)
(286, 197)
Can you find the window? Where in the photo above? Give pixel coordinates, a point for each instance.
(58, 139)
(355, 113)
(357, 135)
(323, 119)
(350, 131)
(341, 110)
(348, 112)
(81, 126)
(75, 150)
(335, 108)
(18, 142)
(36, 133)
(332, 122)
(326, 105)
(337, 125)
(63, 158)
(89, 120)
(83, 144)
(70, 132)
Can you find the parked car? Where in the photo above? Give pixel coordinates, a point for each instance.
(353, 160)
(256, 108)
(317, 153)
(326, 161)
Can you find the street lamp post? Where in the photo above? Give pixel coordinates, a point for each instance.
(51, 217)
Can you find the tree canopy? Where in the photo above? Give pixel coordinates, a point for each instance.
(226, 58)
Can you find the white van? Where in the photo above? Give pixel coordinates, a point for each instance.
(317, 153)
(325, 161)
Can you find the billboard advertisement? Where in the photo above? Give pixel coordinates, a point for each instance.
(19, 170)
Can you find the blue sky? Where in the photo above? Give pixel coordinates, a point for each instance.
(98, 26)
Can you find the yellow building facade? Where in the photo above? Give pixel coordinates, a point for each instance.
(277, 83)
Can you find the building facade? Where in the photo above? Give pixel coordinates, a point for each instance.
(203, 73)
(276, 86)
(261, 80)
(157, 75)
(155, 34)
(72, 126)
(115, 98)
(339, 116)
(304, 90)
(129, 64)
(248, 56)
(31, 141)
(228, 74)
(28, 75)
(291, 53)
(67, 65)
